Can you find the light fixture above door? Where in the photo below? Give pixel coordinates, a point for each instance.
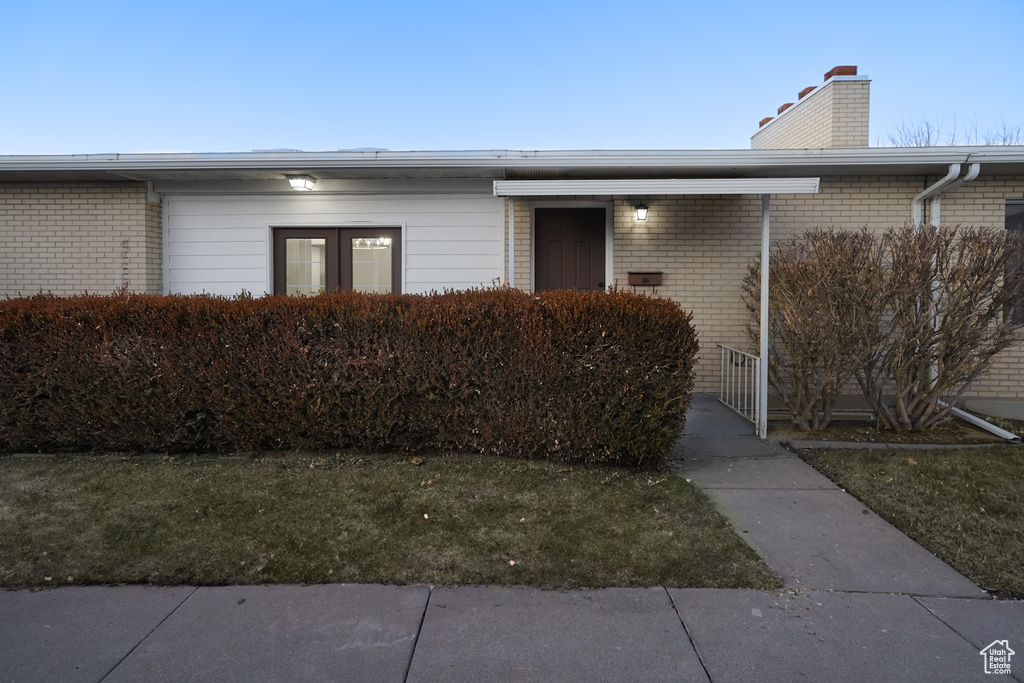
(301, 182)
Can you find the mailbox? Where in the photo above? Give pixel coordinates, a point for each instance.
(652, 279)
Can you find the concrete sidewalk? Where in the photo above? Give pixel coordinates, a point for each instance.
(863, 602)
(418, 633)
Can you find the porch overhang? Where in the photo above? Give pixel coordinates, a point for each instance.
(658, 186)
(765, 187)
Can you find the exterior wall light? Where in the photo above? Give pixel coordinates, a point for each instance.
(301, 182)
(641, 211)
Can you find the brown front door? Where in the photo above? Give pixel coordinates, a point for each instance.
(569, 248)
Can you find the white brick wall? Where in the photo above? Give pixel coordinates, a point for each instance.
(68, 238)
(833, 115)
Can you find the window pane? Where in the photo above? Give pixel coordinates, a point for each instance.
(305, 266)
(362, 275)
(371, 264)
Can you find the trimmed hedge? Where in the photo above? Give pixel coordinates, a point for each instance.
(570, 376)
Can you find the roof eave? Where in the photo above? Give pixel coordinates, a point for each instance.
(495, 163)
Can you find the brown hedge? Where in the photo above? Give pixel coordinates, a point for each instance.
(571, 376)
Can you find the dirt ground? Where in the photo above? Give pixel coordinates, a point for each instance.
(956, 432)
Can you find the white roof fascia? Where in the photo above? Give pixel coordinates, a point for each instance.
(285, 161)
(539, 188)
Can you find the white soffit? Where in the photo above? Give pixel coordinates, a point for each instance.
(539, 188)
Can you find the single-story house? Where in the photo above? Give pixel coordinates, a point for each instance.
(682, 224)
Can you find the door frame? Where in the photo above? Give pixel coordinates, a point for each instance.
(609, 232)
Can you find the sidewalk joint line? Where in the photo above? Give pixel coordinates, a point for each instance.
(151, 632)
(686, 630)
(942, 621)
(419, 631)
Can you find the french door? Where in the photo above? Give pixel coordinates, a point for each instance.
(308, 261)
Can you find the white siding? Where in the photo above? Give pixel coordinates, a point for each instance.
(220, 243)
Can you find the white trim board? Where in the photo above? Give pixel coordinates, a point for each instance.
(630, 186)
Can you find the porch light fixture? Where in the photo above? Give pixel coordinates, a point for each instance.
(301, 182)
(641, 211)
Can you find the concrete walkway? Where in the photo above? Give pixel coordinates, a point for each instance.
(862, 602)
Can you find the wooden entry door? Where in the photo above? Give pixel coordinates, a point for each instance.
(569, 251)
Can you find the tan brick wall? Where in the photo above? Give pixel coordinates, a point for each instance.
(153, 266)
(704, 244)
(983, 202)
(833, 115)
(68, 238)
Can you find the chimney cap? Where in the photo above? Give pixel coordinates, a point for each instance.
(841, 71)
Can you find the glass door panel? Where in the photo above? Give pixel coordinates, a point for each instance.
(371, 264)
(305, 266)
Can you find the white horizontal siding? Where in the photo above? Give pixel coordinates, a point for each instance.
(453, 247)
(221, 244)
(240, 247)
(201, 276)
(228, 262)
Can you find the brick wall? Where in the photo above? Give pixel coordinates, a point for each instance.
(983, 202)
(68, 238)
(522, 245)
(703, 245)
(833, 115)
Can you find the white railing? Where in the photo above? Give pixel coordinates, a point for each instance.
(739, 388)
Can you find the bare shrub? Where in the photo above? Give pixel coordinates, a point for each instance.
(825, 302)
(946, 293)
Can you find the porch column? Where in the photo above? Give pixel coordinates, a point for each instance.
(512, 241)
(762, 374)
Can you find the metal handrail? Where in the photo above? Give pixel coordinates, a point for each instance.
(739, 382)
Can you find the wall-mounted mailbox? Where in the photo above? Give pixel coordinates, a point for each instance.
(645, 279)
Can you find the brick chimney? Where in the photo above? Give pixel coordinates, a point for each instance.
(834, 114)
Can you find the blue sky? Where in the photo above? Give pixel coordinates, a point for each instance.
(141, 76)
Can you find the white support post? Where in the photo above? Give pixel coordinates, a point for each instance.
(762, 370)
(512, 241)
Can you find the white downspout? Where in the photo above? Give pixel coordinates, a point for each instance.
(935, 192)
(762, 368)
(936, 204)
(916, 210)
(982, 424)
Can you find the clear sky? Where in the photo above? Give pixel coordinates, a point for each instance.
(141, 76)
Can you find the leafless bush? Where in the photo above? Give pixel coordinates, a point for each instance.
(825, 304)
(946, 294)
(917, 314)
